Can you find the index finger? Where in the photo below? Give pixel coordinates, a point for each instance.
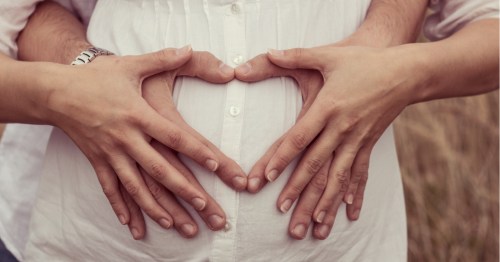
(176, 138)
(298, 138)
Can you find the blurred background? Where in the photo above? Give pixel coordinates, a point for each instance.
(448, 154)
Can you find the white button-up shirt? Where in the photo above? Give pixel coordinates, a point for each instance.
(72, 220)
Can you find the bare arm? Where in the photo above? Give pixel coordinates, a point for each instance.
(391, 22)
(464, 64)
(53, 34)
(100, 107)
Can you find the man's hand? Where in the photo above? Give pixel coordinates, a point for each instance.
(157, 91)
(99, 105)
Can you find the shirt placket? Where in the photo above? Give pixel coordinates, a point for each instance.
(224, 244)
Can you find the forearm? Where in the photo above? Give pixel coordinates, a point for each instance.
(464, 64)
(22, 85)
(52, 34)
(390, 23)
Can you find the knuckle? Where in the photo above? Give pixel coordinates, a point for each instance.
(295, 189)
(110, 192)
(174, 139)
(282, 160)
(319, 182)
(156, 191)
(299, 140)
(158, 171)
(342, 177)
(313, 165)
(131, 188)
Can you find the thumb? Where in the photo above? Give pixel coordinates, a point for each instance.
(160, 61)
(206, 66)
(260, 68)
(305, 58)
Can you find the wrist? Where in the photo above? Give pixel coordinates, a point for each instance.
(415, 62)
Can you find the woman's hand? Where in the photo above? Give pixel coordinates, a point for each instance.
(100, 106)
(157, 91)
(364, 90)
(309, 82)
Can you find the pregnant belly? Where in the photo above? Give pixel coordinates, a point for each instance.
(73, 220)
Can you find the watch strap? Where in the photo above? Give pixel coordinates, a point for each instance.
(90, 54)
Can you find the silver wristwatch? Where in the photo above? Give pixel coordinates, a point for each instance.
(90, 54)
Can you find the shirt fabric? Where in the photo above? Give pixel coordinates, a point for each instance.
(23, 146)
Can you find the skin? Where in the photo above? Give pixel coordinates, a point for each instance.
(114, 140)
(381, 28)
(350, 113)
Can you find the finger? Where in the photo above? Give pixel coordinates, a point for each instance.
(163, 172)
(297, 139)
(206, 66)
(111, 188)
(303, 212)
(305, 58)
(160, 61)
(135, 186)
(212, 214)
(338, 181)
(310, 164)
(137, 226)
(260, 68)
(176, 138)
(182, 220)
(360, 168)
(228, 170)
(257, 178)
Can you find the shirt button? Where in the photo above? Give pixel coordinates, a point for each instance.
(235, 9)
(238, 60)
(227, 227)
(234, 111)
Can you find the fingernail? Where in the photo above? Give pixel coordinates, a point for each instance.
(285, 206)
(216, 221)
(122, 219)
(275, 52)
(165, 223)
(272, 175)
(188, 229)
(183, 50)
(198, 203)
(212, 165)
(135, 233)
(350, 198)
(239, 182)
(254, 184)
(320, 217)
(244, 68)
(323, 230)
(299, 231)
(227, 70)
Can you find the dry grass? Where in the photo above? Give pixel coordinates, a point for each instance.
(448, 152)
